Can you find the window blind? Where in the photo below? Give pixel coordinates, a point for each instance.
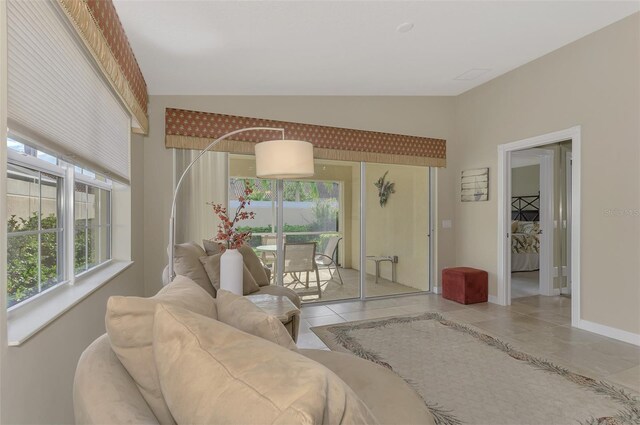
(56, 96)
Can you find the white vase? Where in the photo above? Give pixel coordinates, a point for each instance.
(231, 268)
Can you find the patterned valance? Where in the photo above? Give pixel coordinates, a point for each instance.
(195, 130)
(99, 27)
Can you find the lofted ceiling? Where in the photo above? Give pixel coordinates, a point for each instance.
(348, 47)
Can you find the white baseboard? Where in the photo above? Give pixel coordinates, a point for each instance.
(437, 289)
(608, 331)
(493, 299)
(556, 291)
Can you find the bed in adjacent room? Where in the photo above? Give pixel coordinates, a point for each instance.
(525, 233)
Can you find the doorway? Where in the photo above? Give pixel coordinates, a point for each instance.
(556, 275)
(532, 230)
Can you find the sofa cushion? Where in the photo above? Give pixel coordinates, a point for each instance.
(249, 257)
(103, 390)
(388, 396)
(244, 315)
(209, 375)
(129, 323)
(187, 263)
(211, 265)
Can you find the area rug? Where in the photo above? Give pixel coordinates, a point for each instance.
(468, 377)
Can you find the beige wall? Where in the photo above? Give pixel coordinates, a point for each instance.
(421, 116)
(38, 375)
(525, 181)
(594, 83)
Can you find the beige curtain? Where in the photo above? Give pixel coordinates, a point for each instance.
(206, 183)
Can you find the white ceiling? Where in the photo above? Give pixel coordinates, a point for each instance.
(347, 47)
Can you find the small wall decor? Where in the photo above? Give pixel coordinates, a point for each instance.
(475, 185)
(385, 188)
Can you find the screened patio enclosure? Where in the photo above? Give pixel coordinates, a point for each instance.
(337, 210)
(325, 210)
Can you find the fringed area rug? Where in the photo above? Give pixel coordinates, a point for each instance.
(468, 377)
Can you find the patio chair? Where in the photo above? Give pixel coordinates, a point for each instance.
(300, 258)
(269, 258)
(327, 260)
(269, 239)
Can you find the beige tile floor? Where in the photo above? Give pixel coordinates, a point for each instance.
(525, 284)
(537, 325)
(332, 290)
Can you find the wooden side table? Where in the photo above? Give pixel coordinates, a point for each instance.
(280, 307)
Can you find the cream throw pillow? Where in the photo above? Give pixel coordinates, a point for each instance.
(209, 375)
(244, 315)
(211, 247)
(186, 262)
(129, 323)
(254, 265)
(211, 265)
(249, 257)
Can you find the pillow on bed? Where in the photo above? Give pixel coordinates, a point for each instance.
(514, 226)
(529, 227)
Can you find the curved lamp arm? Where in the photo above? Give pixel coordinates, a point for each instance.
(186, 171)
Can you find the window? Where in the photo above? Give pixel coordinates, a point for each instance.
(92, 228)
(36, 211)
(34, 230)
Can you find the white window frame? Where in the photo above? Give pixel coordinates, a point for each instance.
(79, 177)
(69, 176)
(41, 166)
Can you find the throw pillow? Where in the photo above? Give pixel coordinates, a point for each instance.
(211, 247)
(186, 262)
(212, 267)
(254, 265)
(242, 314)
(529, 227)
(249, 257)
(129, 323)
(209, 375)
(514, 226)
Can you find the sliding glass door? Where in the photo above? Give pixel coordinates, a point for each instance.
(320, 227)
(364, 227)
(396, 213)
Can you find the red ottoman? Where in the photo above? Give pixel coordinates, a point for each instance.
(465, 285)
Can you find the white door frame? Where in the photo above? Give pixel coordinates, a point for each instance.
(504, 212)
(545, 157)
(567, 223)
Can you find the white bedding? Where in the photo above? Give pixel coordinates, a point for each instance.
(525, 261)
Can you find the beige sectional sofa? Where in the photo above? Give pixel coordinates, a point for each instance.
(212, 372)
(187, 263)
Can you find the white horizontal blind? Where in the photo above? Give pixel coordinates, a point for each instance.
(56, 95)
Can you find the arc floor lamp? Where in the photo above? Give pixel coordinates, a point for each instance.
(275, 159)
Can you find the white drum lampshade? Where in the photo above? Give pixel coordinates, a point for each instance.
(284, 159)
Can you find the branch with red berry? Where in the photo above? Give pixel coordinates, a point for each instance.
(228, 236)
